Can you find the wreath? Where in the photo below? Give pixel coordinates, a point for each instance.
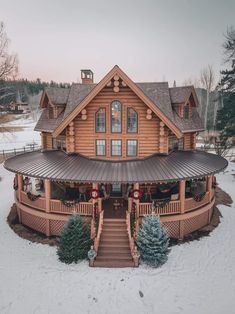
(32, 197)
(15, 184)
(136, 194)
(95, 194)
(199, 197)
(158, 204)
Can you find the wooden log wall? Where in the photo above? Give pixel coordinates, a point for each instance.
(148, 129)
(46, 140)
(189, 141)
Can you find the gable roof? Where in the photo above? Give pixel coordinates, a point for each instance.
(158, 96)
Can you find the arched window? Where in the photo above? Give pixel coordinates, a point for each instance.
(100, 120)
(132, 120)
(116, 116)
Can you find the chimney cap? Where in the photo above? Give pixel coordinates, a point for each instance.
(87, 76)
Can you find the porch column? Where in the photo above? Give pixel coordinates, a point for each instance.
(20, 185)
(209, 186)
(95, 186)
(182, 206)
(137, 202)
(47, 185)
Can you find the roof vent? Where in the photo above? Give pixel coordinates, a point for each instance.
(87, 76)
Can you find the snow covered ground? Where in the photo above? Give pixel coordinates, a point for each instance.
(19, 139)
(198, 278)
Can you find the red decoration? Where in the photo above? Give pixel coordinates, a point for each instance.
(95, 194)
(136, 194)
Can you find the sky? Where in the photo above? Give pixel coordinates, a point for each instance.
(150, 40)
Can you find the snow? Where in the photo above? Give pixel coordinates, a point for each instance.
(199, 276)
(11, 140)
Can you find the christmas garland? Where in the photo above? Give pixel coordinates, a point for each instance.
(32, 197)
(158, 204)
(69, 203)
(199, 197)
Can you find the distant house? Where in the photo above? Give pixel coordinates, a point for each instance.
(115, 150)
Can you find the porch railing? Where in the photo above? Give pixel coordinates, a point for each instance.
(82, 208)
(39, 203)
(97, 238)
(191, 204)
(133, 248)
(172, 207)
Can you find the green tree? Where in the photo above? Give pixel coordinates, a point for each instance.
(153, 241)
(226, 116)
(75, 240)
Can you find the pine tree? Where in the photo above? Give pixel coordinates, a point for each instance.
(75, 240)
(153, 241)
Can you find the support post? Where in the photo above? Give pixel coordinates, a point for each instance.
(209, 186)
(95, 186)
(20, 185)
(137, 202)
(47, 184)
(182, 206)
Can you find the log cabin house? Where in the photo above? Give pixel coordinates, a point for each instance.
(114, 152)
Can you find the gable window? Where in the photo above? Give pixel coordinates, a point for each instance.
(116, 147)
(116, 116)
(100, 120)
(131, 147)
(100, 147)
(186, 112)
(132, 120)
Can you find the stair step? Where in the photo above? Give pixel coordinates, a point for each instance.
(114, 250)
(117, 255)
(113, 263)
(114, 245)
(114, 240)
(120, 229)
(114, 220)
(114, 258)
(114, 234)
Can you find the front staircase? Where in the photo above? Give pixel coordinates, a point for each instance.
(114, 245)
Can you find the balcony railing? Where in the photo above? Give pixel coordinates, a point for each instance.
(39, 203)
(191, 204)
(172, 207)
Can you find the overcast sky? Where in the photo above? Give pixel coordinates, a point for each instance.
(150, 40)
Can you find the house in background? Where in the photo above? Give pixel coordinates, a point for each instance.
(114, 152)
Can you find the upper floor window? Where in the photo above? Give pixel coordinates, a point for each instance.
(116, 147)
(116, 116)
(186, 112)
(132, 120)
(100, 148)
(131, 148)
(100, 120)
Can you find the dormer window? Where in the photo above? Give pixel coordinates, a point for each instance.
(186, 111)
(100, 121)
(116, 116)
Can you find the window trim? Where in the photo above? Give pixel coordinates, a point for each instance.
(104, 120)
(111, 129)
(188, 108)
(137, 122)
(105, 147)
(112, 147)
(127, 147)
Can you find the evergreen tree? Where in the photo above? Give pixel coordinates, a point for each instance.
(153, 241)
(226, 116)
(75, 240)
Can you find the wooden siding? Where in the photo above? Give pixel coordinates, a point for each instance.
(189, 141)
(46, 139)
(148, 130)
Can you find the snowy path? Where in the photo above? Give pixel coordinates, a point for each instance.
(198, 278)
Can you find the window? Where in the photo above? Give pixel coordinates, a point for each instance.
(116, 147)
(100, 148)
(100, 120)
(186, 112)
(132, 120)
(175, 144)
(58, 144)
(116, 116)
(131, 148)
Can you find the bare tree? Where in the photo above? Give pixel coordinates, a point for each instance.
(8, 61)
(208, 82)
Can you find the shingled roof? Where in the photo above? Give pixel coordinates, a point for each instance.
(159, 93)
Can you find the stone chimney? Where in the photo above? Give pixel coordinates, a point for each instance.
(87, 76)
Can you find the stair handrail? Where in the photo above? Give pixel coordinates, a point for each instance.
(97, 238)
(134, 252)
